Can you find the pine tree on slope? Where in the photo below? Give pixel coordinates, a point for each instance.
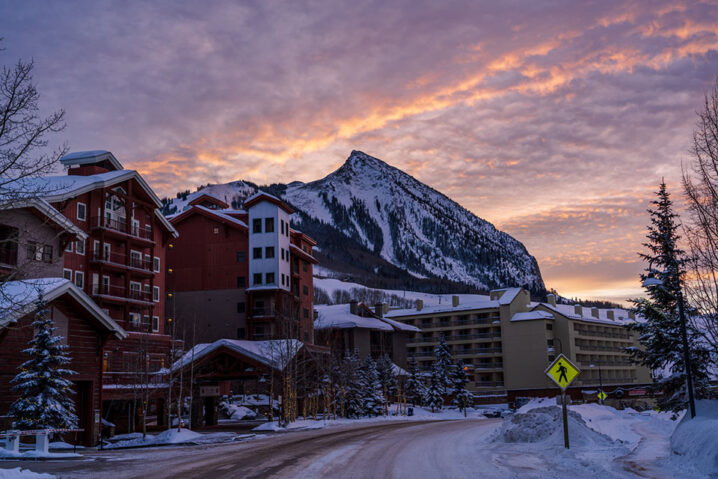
(45, 400)
(443, 365)
(660, 334)
(462, 397)
(415, 388)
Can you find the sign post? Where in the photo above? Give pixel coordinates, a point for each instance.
(563, 372)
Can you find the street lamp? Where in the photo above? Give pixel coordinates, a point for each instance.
(649, 282)
(600, 383)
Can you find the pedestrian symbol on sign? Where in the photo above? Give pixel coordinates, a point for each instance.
(562, 371)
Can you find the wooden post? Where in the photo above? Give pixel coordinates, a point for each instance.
(565, 419)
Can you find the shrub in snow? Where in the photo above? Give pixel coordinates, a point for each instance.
(45, 400)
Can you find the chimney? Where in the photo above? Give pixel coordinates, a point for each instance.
(385, 307)
(454, 301)
(419, 305)
(551, 298)
(379, 309)
(631, 315)
(578, 309)
(594, 312)
(353, 306)
(609, 313)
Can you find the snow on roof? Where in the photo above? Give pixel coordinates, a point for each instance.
(90, 157)
(398, 371)
(19, 298)
(274, 353)
(263, 196)
(224, 216)
(468, 305)
(49, 211)
(264, 287)
(508, 296)
(531, 315)
(339, 316)
(620, 315)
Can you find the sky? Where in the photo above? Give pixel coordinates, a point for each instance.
(553, 120)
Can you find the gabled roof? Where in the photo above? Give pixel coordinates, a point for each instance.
(261, 196)
(302, 254)
(210, 198)
(211, 214)
(19, 298)
(509, 294)
(275, 353)
(48, 211)
(90, 158)
(531, 315)
(339, 316)
(302, 236)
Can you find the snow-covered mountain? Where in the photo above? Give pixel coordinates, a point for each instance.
(370, 218)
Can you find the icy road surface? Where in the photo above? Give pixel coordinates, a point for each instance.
(412, 450)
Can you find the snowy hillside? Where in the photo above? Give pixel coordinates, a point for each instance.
(375, 222)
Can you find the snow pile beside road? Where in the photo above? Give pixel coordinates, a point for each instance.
(172, 436)
(235, 412)
(19, 473)
(696, 440)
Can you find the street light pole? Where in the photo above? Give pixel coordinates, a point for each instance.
(686, 354)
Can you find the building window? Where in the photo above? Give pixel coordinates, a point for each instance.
(257, 253)
(135, 319)
(156, 294)
(241, 333)
(281, 226)
(549, 326)
(257, 279)
(81, 211)
(69, 247)
(135, 290)
(80, 248)
(135, 259)
(304, 267)
(269, 252)
(281, 253)
(306, 313)
(47, 253)
(257, 225)
(240, 282)
(156, 264)
(305, 290)
(67, 274)
(215, 230)
(8, 244)
(155, 323)
(270, 278)
(269, 225)
(241, 308)
(549, 342)
(79, 279)
(241, 257)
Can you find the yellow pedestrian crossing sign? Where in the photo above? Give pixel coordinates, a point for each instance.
(601, 395)
(562, 371)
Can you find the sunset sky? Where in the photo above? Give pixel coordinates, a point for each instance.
(553, 120)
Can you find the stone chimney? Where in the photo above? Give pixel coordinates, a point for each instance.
(379, 309)
(578, 309)
(551, 298)
(454, 301)
(385, 307)
(594, 312)
(419, 305)
(353, 306)
(610, 315)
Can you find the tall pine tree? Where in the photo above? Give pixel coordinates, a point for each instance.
(443, 364)
(462, 397)
(434, 396)
(45, 393)
(660, 333)
(415, 388)
(372, 397)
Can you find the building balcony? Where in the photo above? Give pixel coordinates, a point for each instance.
(121, 228)
(488, 384)
(476, 351)
(613, 349)
(601, 334)
(487, 366)
(121, 261)
(133, 380)
(606, 381)
(120, 294)
(608, 363)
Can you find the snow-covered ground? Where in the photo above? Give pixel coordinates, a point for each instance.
(173, 436)
(20, 473)
(420, 414)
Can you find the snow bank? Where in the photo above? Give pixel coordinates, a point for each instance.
(19, 473)
(696, 440)
(172, 436)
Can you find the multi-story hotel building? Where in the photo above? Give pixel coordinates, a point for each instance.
(508, 341)
(240, 274)
(119, 262)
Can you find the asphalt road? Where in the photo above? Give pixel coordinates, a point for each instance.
(391, 450)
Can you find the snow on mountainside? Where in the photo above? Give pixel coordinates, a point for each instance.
(413, 226)
(373, 221)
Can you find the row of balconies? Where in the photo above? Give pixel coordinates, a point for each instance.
(424, 324)
(457, 352)
(621, 363)
(120, 225)
(607, 380)
(122, 293)
(601, 334)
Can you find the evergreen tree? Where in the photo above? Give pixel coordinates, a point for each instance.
(415, 388)
(45, 400)
(462, 398)
(434, 397)
(443, 365)
(660, 333)
(349, 394)
(387, 378)
(372, 397)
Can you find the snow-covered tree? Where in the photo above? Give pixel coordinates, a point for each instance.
(415, 388)
(349, 394)
(372, 397)
(660, 333)
(434, 396)
(45, 393)
(387, 378)
(443, 364)
(462, 398)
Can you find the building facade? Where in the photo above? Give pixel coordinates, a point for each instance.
(240, 274)
(508, 341)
